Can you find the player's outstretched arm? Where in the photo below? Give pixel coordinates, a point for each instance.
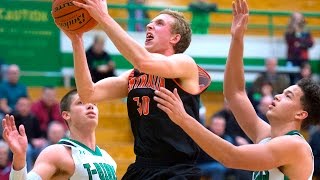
(107, 89)
(234, 81)
(177, 66)
(284, 150)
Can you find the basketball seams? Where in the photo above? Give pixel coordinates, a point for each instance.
(82, 25)
(68, 13)
(71, 18)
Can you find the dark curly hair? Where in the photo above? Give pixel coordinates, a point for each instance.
(310, 100)
(182, 27)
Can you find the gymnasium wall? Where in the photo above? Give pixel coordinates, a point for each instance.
(30, 39)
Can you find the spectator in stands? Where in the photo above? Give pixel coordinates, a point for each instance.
(5, 163)
(138, 17)
(279, 81)
(232, 127)
(201, 10)
(11, 90)
(306, 72)
(298, 40)
(56, 131)
(315, 146)
(255, 95)
(46, 109)
(99, 61)
(239, 138)
(24, 116)
(263, 107)
(209, 166)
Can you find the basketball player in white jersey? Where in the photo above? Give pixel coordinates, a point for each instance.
(74, 158)
(280, 151)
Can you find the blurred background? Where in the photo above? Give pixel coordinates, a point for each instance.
(282, 45)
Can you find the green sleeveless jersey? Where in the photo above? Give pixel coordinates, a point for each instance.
(275, 173)
(89, 164)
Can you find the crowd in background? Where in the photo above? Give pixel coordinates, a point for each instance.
(44, 125)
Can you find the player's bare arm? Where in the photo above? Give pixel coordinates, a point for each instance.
(50, 165)
(234, 82)
(175, 66)
(283, 151)
(46, 165)
(107, 89)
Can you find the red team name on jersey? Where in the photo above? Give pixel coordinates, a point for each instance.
(146, 81)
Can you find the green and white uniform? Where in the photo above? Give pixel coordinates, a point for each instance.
(89, 164)
(275, 173)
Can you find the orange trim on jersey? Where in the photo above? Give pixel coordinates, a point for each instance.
(203, 76)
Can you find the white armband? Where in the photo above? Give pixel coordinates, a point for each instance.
(22, 175)
(18, 175)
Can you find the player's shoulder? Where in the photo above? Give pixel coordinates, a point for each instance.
(183, 56)
(296, 142)
(56, 154)
(57, 149)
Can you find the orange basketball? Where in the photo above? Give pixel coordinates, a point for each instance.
(72, 18)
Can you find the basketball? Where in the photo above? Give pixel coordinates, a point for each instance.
(72, 18)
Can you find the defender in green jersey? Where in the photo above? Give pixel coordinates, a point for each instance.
(74, 158)
(280, 152)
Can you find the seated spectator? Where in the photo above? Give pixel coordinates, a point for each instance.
(263, 107)
(279, 81)
(200, 16)
(256, 95)
(137, 16)
(239, 137)
(99, 61)
(306, 72)
(24, 116)
(5, 163)
(56, 131)
(232, 127)
(315, 146)
(209, 166)
(46, 109)
(11, 90)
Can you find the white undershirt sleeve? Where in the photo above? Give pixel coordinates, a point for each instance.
(22, 175)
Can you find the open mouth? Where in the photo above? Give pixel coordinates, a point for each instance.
(149, 37)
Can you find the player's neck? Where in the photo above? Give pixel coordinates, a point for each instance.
(281, 129)
(88, 139)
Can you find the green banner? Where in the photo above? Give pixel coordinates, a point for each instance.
(28, 36)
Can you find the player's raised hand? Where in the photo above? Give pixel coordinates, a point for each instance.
(171, 104)
(17, 140)
(240, 13)
(97, 8)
